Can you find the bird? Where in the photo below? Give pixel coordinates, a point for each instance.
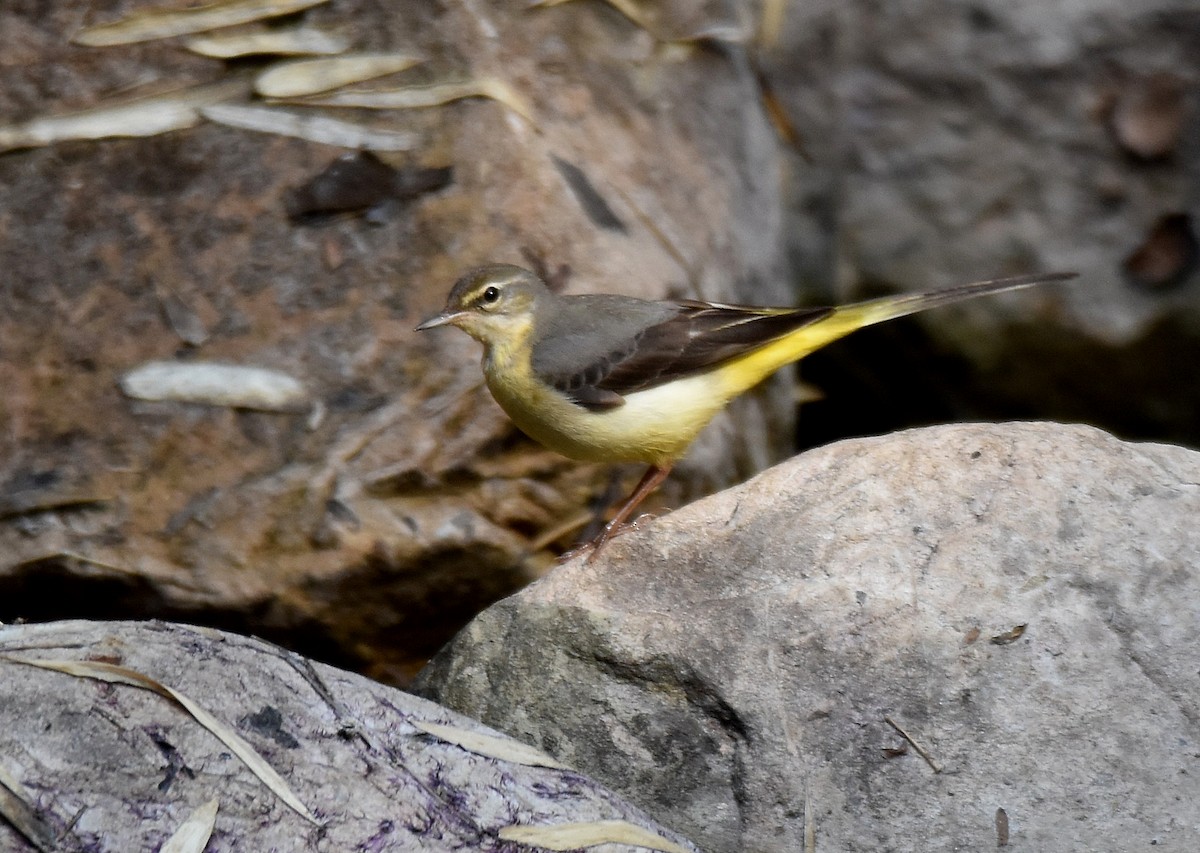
(618, 379)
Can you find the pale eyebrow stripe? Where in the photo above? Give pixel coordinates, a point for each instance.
(501, 282)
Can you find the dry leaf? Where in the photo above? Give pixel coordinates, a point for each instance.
(409, 97)
(167, 23)
(771, 25)
(492, 746)
(1167, 257)
(1148, 115)
(243, 750)
(143, 117)
(810, 824)
(314, 128)
(777, 112)
(15, 808)
(309, 76)
(1009, 636)
(213, 384)
(193, 834)
(569, 836)
(290, 42)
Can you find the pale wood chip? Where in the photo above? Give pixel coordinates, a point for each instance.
(314, 128)
(434, 95)
(142, 117)
(570, 836)
(153, 24)
(296, 41)
(492, 746)
(193, 834)
(302, 77)
(214, 384)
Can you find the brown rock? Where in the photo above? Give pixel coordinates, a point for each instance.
(1148, 115)
(1166, 257)
(369, 527)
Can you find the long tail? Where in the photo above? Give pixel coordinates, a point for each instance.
(862, 314)
(845, 319)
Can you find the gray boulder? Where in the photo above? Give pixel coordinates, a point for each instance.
(1020, 600)
(95, 766)
(946, 137)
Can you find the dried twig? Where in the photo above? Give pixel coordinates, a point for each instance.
(810, 824)
(916, 746)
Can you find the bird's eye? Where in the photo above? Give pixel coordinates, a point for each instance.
(491, 294)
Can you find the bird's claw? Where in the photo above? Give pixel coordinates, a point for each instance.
(596, 544)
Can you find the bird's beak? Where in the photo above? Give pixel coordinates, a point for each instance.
(440, 320)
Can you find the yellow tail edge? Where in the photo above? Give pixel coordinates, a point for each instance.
(748, 370)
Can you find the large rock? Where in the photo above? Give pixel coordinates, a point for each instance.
(944, 137)
(86, 765)
(369, 524)
(733, 667)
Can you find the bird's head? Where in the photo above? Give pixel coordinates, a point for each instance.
(493, 303)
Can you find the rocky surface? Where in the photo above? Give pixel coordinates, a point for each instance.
(941, 137)
(109, 767)
(370, 522)
(1020, 599)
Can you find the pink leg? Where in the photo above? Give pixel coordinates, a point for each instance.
(649, 482)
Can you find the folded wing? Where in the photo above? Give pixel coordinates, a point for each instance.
(655, 344)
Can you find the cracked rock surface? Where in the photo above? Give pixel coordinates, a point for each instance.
(97, 767)
(1020, 599)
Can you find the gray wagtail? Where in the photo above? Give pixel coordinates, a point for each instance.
(609, 378)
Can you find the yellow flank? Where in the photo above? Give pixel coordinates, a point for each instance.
(654, 426)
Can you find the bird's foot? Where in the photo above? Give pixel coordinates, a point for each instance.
(577, 551)
(593, 547)
(642, 519)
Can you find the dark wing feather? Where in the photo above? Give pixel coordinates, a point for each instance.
(652, 343)
(701, 336)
